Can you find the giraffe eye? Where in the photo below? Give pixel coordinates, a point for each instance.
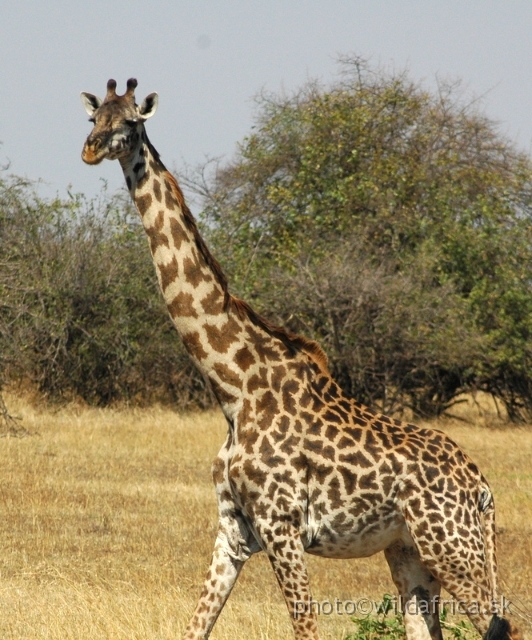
(131, 123)
(93, 120)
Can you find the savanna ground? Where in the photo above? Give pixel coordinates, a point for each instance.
(107, 520)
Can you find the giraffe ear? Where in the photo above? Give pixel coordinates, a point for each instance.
(149, 106)
(90, 102)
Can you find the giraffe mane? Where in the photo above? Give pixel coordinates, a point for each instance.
(294, 342)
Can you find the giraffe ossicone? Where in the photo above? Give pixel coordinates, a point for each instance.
(303, 468)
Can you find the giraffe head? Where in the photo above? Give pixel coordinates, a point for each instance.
(118, 122)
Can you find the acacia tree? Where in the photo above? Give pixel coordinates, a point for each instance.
(393, 225)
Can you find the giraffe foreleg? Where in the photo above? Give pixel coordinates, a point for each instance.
(230, 553)
(418, 590)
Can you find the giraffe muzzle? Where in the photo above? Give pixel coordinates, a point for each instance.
(92, 151)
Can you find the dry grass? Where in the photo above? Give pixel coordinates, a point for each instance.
(107, 520)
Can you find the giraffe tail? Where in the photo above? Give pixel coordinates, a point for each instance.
(500, 628)
(486, 507)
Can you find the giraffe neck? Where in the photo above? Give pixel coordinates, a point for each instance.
(220, 332)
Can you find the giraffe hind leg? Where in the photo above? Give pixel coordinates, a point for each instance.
(418, 590)
(459, 564)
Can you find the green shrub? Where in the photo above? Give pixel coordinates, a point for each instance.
(388, 624)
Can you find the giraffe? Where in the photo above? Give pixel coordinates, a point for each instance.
(303, 467)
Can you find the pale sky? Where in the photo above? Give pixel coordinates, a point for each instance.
(207, 59)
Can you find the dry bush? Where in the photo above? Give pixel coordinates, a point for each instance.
(81, 314)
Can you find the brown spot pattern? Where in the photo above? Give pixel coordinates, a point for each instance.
(143, 203)
(177, 231)
(221, 338)
(226, 374)
(244, 358)
(169, 200)
(222, 395)
(156, 237)
(157, 190)
(182, 306)
(195, 273)
(212, 303)
(194, 345)
(169, 273)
